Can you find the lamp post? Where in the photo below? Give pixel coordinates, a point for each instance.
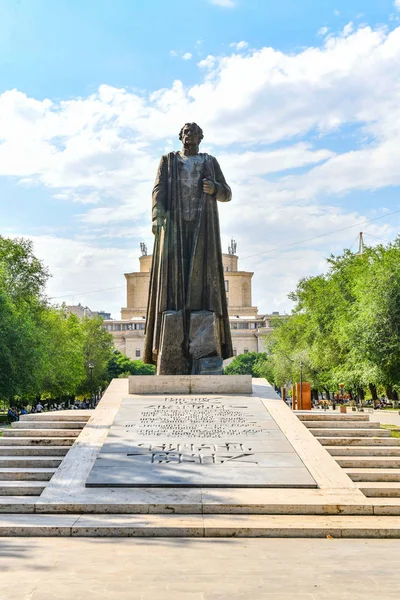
(301, 385)
(91, 367)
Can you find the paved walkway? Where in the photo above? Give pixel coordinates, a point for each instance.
(184, 569)
(390, 417)
(386, 416)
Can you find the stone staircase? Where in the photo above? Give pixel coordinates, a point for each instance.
(369, 456)
(30, 452)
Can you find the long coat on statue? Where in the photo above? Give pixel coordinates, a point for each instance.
(201, 287)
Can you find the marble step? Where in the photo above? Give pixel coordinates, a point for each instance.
(73, 415)
(331, 416)
(22, 488)
(33, 450)
(272, 501)
(18, 504)
(364, 441)
(380, 489)
(363, 451)
(365, 462)
(319, 432)
(37, 442)
(386, 506)
(341, 424)
(71, 433)
(373, 474)
(211, 526)
(30, 461)
(26, 474)
(48, 424)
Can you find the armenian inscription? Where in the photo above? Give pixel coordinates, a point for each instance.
(197, 441)
(198, 418)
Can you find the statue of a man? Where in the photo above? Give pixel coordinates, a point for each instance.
(187, 315)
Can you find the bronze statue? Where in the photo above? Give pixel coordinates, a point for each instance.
(187, 317)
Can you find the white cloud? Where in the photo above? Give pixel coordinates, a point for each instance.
(251, 164)
(79, 268)
(207, 63)
(182, 55)
(224, 3)
(102, 151)
(396, 4)
(239, 45)
(348, 29)
(322, 31)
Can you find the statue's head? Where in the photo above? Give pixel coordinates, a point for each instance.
(191, 134)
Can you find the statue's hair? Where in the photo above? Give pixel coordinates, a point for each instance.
(199, 130)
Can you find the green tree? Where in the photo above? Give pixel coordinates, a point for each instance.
(252, 363)
(43, 350)
(98, 350)
(345, 326)
(22, 303)
(63, 361)
(120, 365)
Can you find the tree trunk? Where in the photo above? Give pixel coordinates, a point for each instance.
(389, 392)
(372, 389)
(328, 396)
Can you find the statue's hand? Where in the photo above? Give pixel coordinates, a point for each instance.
(208, 187)
(158, 224)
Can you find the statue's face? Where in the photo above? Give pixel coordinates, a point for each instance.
(190, 136)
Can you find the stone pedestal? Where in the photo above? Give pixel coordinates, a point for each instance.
(190, 384)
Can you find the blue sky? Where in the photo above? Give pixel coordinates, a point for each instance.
(70, 47)
(298, 100)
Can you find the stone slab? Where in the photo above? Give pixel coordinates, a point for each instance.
(139, 526)
(117, 474)
(204, 335)
(37, 525)
(190, 384)
(172, 358)
(210, 441)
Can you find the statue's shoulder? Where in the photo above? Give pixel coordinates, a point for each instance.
(209, 157)
(206, 156)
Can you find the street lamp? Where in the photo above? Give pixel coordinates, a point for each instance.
(91, 367)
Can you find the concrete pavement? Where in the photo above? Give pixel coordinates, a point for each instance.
(189, 569)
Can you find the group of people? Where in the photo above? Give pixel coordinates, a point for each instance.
(14, 412)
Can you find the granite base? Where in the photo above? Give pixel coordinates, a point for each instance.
(190, 384)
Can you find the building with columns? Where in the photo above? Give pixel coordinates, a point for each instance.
(248, 328)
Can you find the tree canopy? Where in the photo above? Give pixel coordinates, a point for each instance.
(44, 350)
(252, 363)
(345, 326)
(122, 366)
